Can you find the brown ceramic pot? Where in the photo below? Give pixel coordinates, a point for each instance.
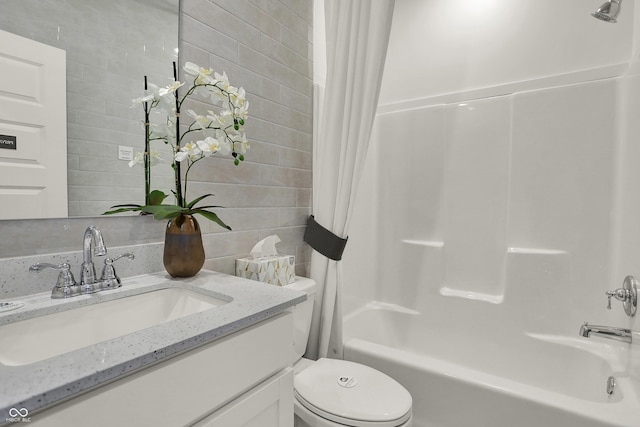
(183, 250)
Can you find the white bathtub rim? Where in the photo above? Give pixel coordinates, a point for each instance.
(383, 306)
(623, 407)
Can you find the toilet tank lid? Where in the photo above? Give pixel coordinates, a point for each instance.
(344, 390)
(304, 284)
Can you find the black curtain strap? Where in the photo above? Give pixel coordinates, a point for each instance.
(323, 240)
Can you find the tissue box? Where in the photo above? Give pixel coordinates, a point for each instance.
(276, 270)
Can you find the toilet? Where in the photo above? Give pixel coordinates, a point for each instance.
(339, 393)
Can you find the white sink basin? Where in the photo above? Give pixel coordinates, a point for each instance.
(39, 338)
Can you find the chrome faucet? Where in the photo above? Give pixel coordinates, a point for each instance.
(618, 334)
(628, 294)
(92, 244)
(87, 270)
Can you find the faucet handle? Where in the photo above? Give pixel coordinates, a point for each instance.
(66, 285)
(65, 277)
(628, 295)
(109, 279)
(619, 294)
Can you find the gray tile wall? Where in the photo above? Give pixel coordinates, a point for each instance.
(264, 46)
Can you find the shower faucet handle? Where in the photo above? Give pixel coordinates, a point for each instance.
(619, 294)
(628, 295)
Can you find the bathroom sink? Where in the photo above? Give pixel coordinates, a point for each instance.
(39, 338)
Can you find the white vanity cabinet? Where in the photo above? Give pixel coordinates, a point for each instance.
(243, 379)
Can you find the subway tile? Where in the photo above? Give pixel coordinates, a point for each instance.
(205, 37)
(274, 70)
(285, 56)
(295, 158)
(297, 101)
(280, 114)
(303, 9)
(283, 14)
(223, 21)
(253, 15)
(293, 216)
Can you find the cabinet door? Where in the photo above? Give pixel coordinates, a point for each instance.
(268, 405)
(186, 388)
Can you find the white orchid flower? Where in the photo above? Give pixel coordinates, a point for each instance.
(150, 95)
(242, 112)
(237, 95)
(192, 69)
(141, 100)
(209, 146)
(154, 159)
(138, 159)
(160, 130)
(201, 121)
(221, 80)
(189, 151)
(202, 75)
(241, 145)
(170, 89)
(224, 119)
(224, 144)
(218, 96)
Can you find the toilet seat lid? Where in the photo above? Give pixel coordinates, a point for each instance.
(352, 394)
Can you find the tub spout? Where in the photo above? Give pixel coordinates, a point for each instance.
(618, 334)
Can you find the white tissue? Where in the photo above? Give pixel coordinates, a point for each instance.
(265, 247)
(266, 265)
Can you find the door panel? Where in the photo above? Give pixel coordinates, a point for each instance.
(33, 129)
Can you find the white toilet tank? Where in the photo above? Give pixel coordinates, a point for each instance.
(302, 314)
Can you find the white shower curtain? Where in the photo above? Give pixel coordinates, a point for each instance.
(357, 36)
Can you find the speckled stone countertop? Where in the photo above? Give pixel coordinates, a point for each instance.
(43, 383)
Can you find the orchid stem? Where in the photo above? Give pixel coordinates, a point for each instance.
(147, 148)
(179, 196)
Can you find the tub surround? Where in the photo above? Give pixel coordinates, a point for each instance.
(523, 222)
(44, 383)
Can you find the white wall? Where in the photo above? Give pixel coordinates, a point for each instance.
(447, 46)
(502, 174)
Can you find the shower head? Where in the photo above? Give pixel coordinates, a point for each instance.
(608, 12)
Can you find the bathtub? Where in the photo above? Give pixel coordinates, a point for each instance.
(496, 379)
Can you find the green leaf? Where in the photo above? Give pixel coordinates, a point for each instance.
(164, 211)
(156, 197)
(210, 206)
(211, 216)
(127, 206)
(193, 203)
(123, 208)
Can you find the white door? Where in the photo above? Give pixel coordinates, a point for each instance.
(33, 129)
